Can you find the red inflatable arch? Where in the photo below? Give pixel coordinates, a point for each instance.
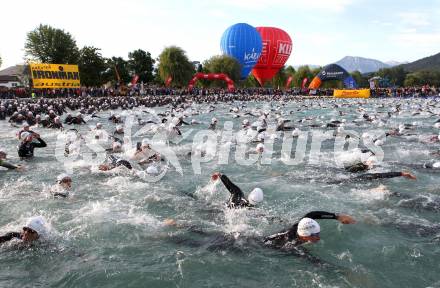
(212, 76)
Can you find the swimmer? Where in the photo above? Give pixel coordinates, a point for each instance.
(307, 230)
(64, 184)
(237, 198)
(34, 228)
(114, 162)
(27, 146)
(213, 124)
(7, 165)
(374, 176)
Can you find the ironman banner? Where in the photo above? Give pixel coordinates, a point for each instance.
(361, 93)
(55, 76)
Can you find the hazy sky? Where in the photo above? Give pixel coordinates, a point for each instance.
(323, 31)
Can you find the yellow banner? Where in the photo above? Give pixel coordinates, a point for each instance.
(55, 76)
(362, 93)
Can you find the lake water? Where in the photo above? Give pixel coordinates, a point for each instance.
(110, 233)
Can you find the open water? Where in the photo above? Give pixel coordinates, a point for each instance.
(110, 233)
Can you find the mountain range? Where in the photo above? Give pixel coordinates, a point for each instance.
(431, 63)
(361, 64)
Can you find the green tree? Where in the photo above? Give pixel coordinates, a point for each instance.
(301, 73)
(396, 75)
(117, 66)
(411, 80)
(279, 80)
(361, 80)
(142, 64)
(50, 45)
(249, 82)
(222, 64)
(174, 62)
(423, 78)
(92, 66)
(290, 72)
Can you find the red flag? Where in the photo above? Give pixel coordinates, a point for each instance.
(135, 79)
(168, 81)
(304, 83)
(289, 80)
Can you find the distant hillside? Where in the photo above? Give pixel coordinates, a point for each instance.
(395, 63)
(428, 63)
(311, 66)
(363, 65)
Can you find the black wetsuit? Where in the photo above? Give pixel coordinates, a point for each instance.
(68, 120)
(26, 149)
(289, 238)
(9, 236)
(357, 167)
(55, 125)
(374, 176)
(237, 199)
(116, 162)
(368, 177)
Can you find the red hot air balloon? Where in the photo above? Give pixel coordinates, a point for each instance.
(277, 47)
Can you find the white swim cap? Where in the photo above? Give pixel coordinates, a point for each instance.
(37, 223)
(152, 170)
(62, 177)
(307, 227)
(24, 135)
(25, 124)
(213, 120)
(379, 142)
(116, 145)
(259, 146)
(145, 142)
(98, 125)
(435, 165)
(256, 196)
(296, 132)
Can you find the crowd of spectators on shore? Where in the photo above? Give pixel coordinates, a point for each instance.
(13, 93)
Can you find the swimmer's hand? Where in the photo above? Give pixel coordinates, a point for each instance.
(409, 175)
(20, 168)
(216, 176)
(170, 222)
(345, 219)
(104, 167)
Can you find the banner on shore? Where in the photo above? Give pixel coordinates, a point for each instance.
(55, 76)
(360, 93)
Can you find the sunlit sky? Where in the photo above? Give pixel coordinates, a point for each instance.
(323, 31)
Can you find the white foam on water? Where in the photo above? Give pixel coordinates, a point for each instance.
(378, 193)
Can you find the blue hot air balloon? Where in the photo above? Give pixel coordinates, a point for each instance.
(243, 42)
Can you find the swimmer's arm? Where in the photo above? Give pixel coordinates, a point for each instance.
(320, 215)
(372, 176)
(8, 165)
(344, 219)
(276, 237)
(9, 237)
(42, 144)
(232, 188)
